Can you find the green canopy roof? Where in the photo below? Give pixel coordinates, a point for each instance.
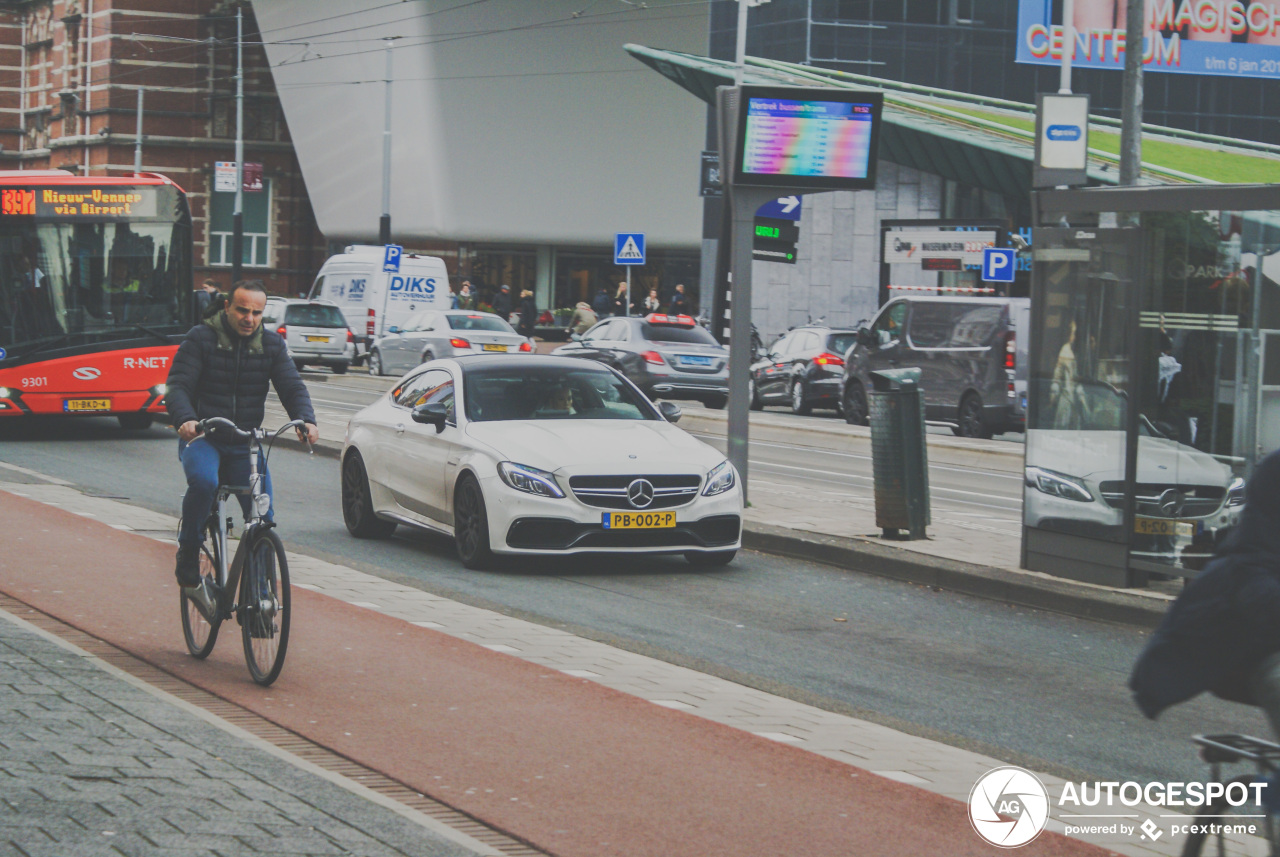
(985, 142)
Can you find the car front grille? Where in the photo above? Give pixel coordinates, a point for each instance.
(559, 534)
(610, 492)
(1153, 499)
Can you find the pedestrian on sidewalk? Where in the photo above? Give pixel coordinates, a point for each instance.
(602, 303)
(680, 304)
(584, 318)
(528, 314)
(466, 300)
(502, 303)
(222, 369)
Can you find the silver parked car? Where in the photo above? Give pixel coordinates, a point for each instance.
(448, 333)
(315, 332)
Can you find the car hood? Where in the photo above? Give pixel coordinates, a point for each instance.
(1096, 455)
(596, 446)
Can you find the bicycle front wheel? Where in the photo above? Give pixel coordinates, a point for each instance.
(1225, 829)
(200, 634)
(264, 610)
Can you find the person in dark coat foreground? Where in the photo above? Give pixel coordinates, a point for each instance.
(1222, 634)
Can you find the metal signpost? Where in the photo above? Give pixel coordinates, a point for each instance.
(628, 250)
(838, 134)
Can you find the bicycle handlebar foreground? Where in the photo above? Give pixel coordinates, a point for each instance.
(227, 425)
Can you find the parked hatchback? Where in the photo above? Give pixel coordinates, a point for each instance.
(803, 369)
(315, 332)
(444, 333)
(667, 356)
(972, 356)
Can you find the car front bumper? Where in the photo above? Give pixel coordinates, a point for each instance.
(521, 523)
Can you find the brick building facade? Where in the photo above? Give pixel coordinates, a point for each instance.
(70, 76)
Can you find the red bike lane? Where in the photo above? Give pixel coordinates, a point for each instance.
(572, 767)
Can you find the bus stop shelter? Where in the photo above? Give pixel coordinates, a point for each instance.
(1154, 382)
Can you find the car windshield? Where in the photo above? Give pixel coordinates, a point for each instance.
(479, 321)
(674, 333)
(314, 315)
(496, 393)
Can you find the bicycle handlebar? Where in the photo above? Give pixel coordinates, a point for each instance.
(227, 425)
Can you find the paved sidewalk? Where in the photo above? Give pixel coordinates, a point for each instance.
(94, 764)
(461, 718)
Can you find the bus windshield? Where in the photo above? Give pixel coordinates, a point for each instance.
(84, 282)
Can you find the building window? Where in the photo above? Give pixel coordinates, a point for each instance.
(257, 227)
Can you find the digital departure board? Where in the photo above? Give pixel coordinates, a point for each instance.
(70, 202)
(807, 138)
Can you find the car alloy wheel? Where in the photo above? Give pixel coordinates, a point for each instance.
(375, 363)
(972, 423)
(855, 404)
(471, 524)
(753, 395)
(798, 403)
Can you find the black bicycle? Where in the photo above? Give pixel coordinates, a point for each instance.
(1235, 814)
(254, 586)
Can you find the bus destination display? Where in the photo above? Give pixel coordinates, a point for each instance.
(79, 203)
(808, 139)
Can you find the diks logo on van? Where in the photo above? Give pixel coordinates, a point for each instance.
(413, 286)
(355, 292)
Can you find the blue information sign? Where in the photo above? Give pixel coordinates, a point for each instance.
(999, 264)
(391, 258)
(628, 248)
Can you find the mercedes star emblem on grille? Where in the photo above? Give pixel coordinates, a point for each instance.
(1171, 502)
(640, 493)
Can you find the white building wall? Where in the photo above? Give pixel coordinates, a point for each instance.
(513, 121)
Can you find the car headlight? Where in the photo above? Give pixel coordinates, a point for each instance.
(5, 393)
(1235, 492)
(1058, 485)
(719, 480)
(530, 480)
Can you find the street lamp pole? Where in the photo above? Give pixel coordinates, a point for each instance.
(237, 217)
(384, 223)
(137, 143)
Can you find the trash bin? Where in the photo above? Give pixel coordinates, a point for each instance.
(898, 453)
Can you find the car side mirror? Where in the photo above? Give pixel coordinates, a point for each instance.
(865, 337)
(432, 413)
(669, 412)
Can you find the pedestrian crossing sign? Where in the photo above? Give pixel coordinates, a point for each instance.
(628, 248)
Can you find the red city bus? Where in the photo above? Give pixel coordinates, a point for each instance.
(95, 293)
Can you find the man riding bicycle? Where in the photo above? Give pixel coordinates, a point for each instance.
(222, 369)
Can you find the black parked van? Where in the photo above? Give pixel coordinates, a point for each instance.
(972, 356)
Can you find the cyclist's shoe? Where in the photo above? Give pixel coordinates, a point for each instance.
(203, 597)
(188, 565)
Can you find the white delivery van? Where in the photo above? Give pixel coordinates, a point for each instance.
(373, 300)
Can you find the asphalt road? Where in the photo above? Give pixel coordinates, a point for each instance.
(1029, 687)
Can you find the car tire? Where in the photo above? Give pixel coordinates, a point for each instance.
(856, 412)
(375, 363)
(357, 502)
(471, 524)
(710, 559)
(134, 422)
(971, 421)
(716, 403)
(799, 405)
(754, 395)
(339, 368)
(427, 356)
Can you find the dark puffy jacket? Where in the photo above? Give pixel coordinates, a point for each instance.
(1225, 621)
(217, 373)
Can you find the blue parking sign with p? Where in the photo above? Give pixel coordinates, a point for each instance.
(391, 258)
(999, 264)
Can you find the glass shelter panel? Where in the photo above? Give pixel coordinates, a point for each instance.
(1078, 450)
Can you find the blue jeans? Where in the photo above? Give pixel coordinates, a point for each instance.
(203, 460)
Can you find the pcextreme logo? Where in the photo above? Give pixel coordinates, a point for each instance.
(1009, 807)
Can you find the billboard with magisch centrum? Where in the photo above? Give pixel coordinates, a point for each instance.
(1233, 38)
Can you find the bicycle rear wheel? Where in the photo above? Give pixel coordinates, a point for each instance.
(264, 611)
(199, 633)
(1225, 830)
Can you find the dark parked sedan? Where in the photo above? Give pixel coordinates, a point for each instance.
(803, 369)
(667, 356)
